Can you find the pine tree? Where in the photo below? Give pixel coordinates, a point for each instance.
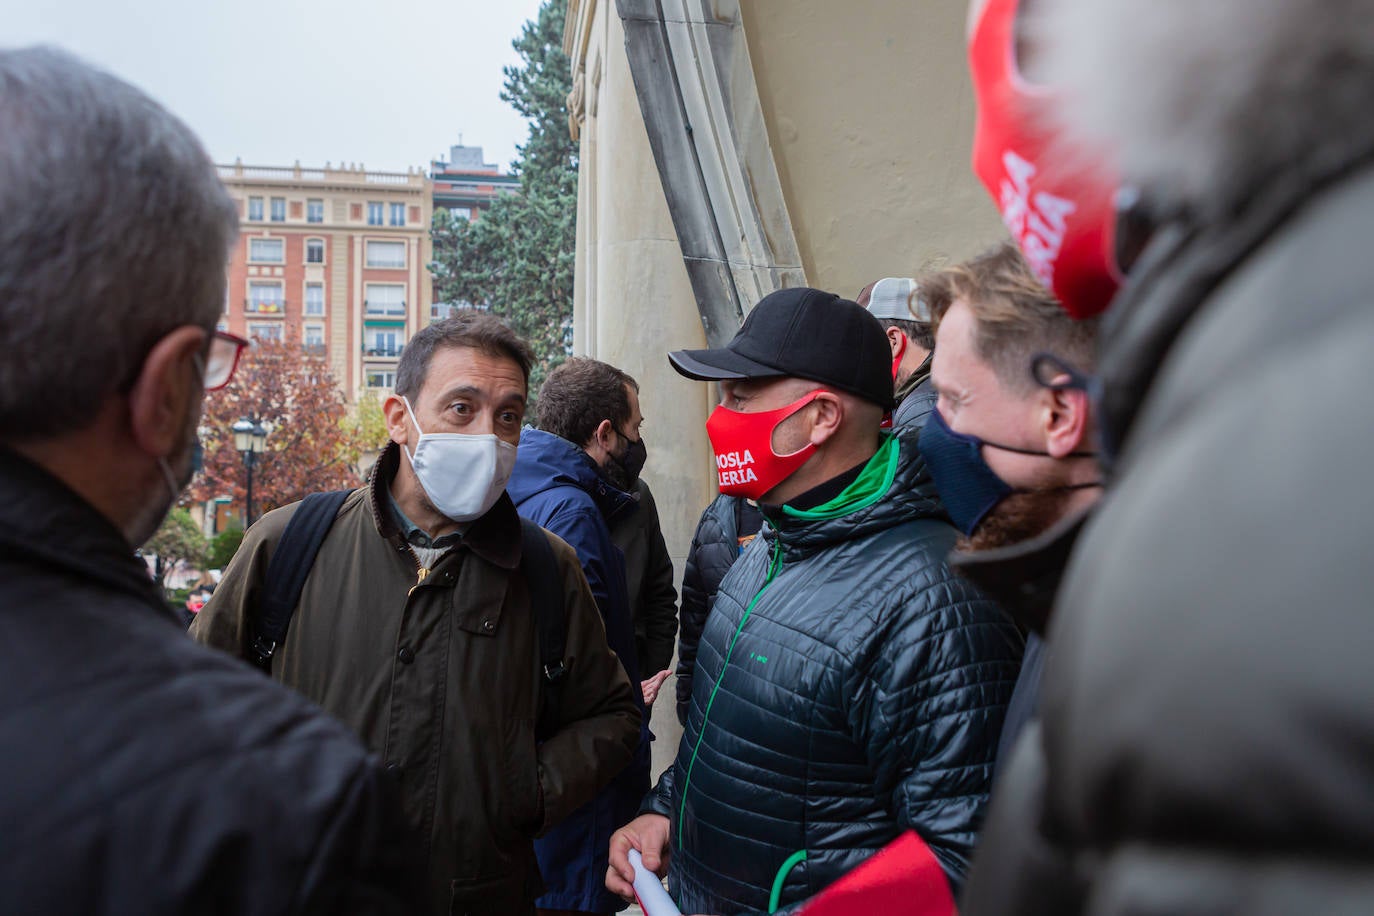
(517, 258)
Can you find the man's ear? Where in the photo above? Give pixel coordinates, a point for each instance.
(828, 410)
(394, 409)
(602, 440)
(168, 386)
(894, 340)
(1066, 421)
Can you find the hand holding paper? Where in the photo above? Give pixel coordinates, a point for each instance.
(653, 899)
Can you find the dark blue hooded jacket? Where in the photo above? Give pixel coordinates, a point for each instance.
(556, 485)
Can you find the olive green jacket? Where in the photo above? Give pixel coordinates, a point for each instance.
(439, 675)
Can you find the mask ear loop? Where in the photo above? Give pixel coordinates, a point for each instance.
(1050, 371)
(799, 405)
(410, 453)
(1057, 374)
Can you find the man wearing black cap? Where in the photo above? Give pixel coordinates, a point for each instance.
(848, 687)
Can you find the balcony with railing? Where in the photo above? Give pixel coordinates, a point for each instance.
(374, 308)
(383, 352)
(350, 174)
(267, 307)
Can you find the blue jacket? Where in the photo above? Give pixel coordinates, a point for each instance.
(556, 485)
(848, 688)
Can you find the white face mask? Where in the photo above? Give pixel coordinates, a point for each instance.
(463, 475)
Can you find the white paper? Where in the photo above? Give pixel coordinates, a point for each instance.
(653, 899)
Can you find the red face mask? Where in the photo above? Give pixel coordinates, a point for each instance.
(1061, 215)
(746, 464)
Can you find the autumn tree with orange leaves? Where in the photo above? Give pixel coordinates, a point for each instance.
(311, 445)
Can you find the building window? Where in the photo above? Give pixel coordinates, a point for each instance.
(398, 214)
(312, 338)
(264, 330)
(374, 213)
(266, 251)
(265, 298)
(382, 342)
(314, 299)
(279, 209)
(376, 378)
(314, 211)
(389, 255)
(255, 209)
(314, 251)
(385, 299)
(460, 212)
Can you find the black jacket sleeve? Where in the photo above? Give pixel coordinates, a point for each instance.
(659, 597)
(698, 590)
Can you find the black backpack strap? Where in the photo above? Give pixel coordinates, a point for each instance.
(288, 570)
(542, 578)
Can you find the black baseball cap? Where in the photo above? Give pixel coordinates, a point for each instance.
(802, 333)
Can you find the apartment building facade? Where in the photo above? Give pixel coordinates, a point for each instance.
(334, 259)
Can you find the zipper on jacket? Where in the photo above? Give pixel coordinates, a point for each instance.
(774, 566)
(419, 576)
(421, 571)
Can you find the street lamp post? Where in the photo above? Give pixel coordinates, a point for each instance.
(250, 438)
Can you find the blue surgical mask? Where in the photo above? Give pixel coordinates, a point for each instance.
(968, 487)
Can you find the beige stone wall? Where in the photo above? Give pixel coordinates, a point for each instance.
(633, 302)
(870, 113)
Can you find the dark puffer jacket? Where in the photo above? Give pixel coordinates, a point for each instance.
(1206, 713)
(848, 688)
(915, 401)
(726, 525)
(146, 775)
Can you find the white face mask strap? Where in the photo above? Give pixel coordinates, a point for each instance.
(410, 453)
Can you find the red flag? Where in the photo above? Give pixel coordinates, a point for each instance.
(902, 877)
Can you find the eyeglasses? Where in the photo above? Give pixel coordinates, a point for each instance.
(225, 350)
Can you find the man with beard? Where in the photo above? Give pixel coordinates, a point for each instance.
(1206, 724)
(1011, 452)
(142, 773)
(574, 475)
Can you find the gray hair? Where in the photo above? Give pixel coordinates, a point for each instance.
(114, 230)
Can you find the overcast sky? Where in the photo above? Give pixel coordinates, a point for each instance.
(387, 84)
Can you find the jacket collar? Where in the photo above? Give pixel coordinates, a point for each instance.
(495, 537)
(914, 380)
(1180, 268)
(546, 461)
(909, 495)
(45, 522)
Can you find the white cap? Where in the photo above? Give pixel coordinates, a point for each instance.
(892, 298)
